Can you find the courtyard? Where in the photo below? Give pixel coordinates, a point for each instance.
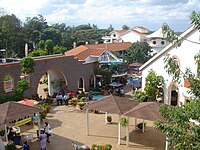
(69, 124)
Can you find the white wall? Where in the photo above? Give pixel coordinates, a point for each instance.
(185, 53)
(130, 37)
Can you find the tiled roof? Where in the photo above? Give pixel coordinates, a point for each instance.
(11, 111)
(119, 31)
(141, 27)
(112, 104)
(84, 51)
(138, 32)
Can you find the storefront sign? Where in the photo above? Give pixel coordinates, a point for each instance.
(24, 121)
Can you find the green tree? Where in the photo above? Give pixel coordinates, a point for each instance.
(181, 132)
(27, 65)
(33, 29)
(59, 49)
(125, 27)
(153, 86)
(41, 44)
(11, 38)
(49, 46)
(138, 52)
(38, 52)
(22, 86)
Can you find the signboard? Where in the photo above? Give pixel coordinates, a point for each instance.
(8, 86)
(21, 122)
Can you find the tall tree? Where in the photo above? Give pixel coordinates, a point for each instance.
(125, 27)
(49, 46)
(182, 125)
(138, 52)
(10, 36)
(33, 28)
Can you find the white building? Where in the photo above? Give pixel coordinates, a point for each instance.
(174, 93)
(157, 41)
(135, 34)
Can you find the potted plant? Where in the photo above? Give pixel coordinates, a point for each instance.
(123, 121)
(108, 146)
(109, 119)
(140, 125)
(80, 105)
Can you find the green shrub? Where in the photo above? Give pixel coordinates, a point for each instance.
(81, 104)
(11, 146)
(101, 147)
(8, 97)
(108, 146)
(123, 121)
(82, 95)
(140, 96)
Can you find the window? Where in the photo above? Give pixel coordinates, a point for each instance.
(154, 42)
(114, 35)
(162, 42)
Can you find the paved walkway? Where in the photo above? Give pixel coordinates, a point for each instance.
(69, 124)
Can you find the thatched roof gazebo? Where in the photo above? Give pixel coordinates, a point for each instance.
(110, 104)
(144, 110)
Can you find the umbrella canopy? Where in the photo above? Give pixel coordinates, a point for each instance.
(28, 102)
(115, 84)
(146, 110)
(11, 111)
(112, 104)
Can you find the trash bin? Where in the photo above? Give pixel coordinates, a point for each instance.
(16, 140)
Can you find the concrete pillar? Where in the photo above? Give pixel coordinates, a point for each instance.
(87, 122)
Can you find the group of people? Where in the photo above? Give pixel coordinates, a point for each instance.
(120, 91)
(44, 138)
(64, 97)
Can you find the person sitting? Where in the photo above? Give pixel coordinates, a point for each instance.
(71, 95)
(122, 92)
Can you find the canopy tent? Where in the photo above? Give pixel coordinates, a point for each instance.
(110, 104)
(144, 110)
(109, 58)
(11, 111)
(28, 102)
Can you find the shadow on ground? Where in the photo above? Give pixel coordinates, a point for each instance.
(145, 140)
(55, 144)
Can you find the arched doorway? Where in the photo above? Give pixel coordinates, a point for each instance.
(81, 85)
(173, 94)
(92, 81)
(52, 82)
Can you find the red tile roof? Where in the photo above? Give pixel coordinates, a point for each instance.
(84, 51)
(141, 27)
(119, 31)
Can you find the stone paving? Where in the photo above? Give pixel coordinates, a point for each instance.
(69, 124)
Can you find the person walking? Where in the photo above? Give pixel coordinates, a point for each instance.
(25, 146)
(47, 130)
(43, 141)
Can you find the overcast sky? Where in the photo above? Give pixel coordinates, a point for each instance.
(148, 13)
